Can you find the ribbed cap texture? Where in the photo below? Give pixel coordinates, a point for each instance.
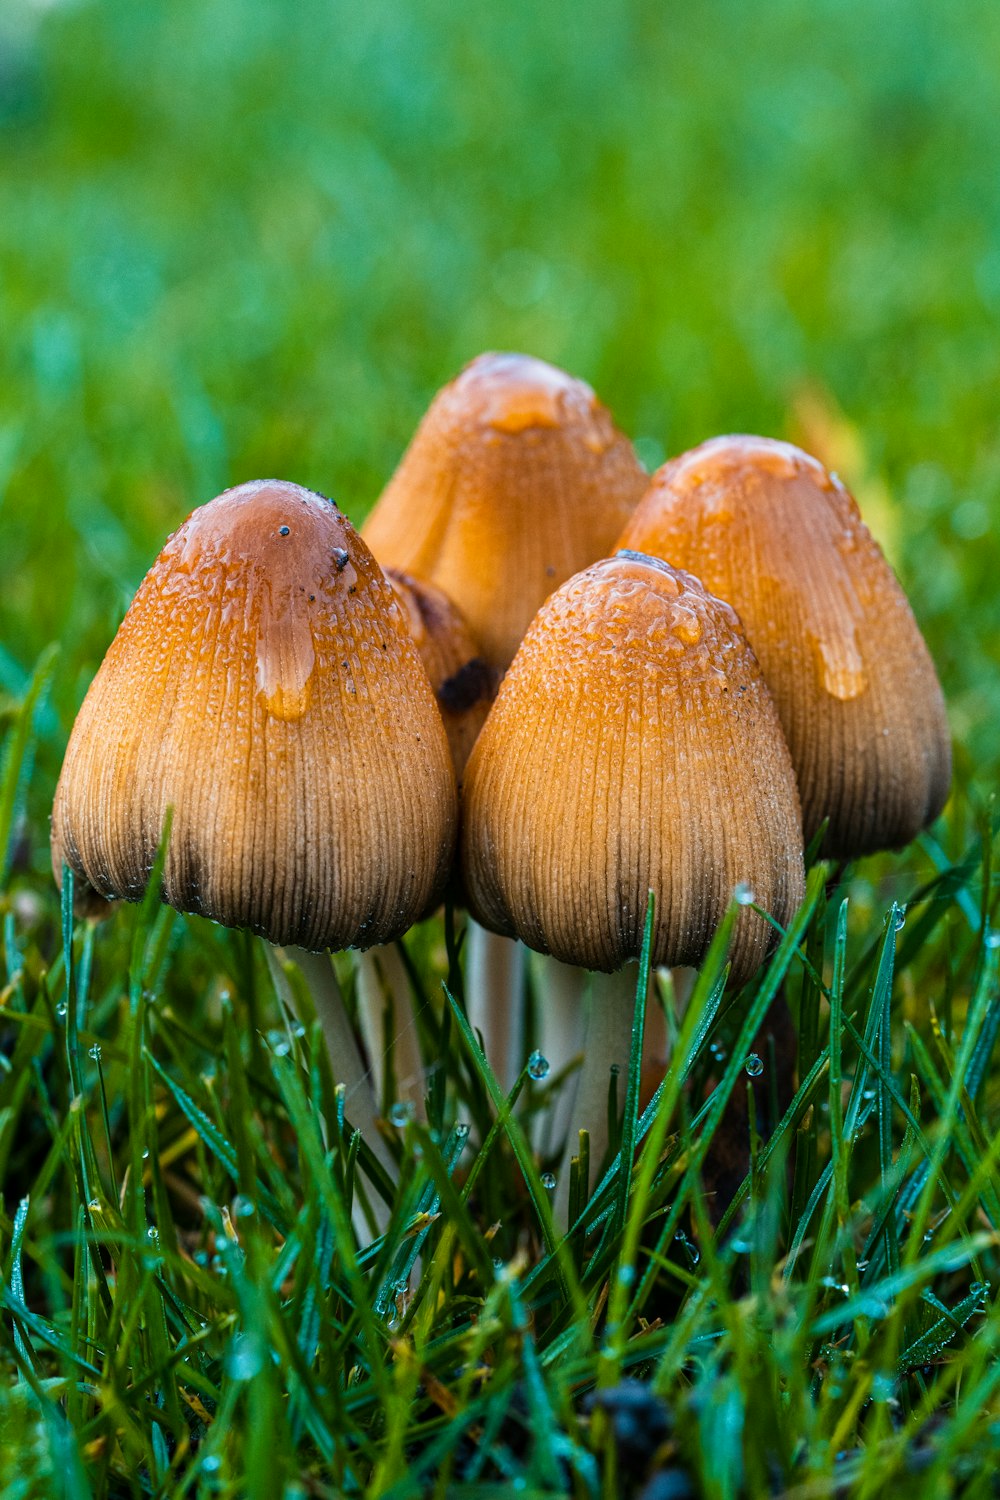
(516, 478)
(264, 685)
(768, 529)
(463, 681)
(633, 746)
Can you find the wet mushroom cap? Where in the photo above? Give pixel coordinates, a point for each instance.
(264, 685)
(766, 527)
(515, 479)
(464, 683)
(632, 746)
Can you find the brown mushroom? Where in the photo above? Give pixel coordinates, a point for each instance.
(264, 686)
(464, 683)
(633, 746)
(516, 478)
(767, 528)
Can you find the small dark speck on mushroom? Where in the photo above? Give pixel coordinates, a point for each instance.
(312, 598)
(550, 571)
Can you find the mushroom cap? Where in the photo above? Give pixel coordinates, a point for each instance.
(515, 479)
(264, 685)
(766, 527)
(633, 745)
(463, 681)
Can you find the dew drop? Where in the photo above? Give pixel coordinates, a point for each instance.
(152, 1233)
(687, 627)
(743, 894)
(243, 1208)
(400, 1114)
(841, 669)
(461, 1131)
(95, 1052)
(754, 1066)
(284, 530)
(145, 1156)
(245, 1357)
(211, 1463)
(548, 1180)
(538, 1065)
(62, 1010)
(992, 939)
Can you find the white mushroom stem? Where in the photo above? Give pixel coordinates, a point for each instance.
(494, 999)
(389, 1026)
(346, 1063)
(560, 995)
(607, 1043)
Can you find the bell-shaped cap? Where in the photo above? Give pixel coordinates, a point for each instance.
(768, 529)
(264, 685)
(463, 681)
(633, 746)
(515, 479)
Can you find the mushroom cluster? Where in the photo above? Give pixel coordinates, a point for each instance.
(633, 686)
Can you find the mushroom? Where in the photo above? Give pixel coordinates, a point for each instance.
(766, 527)
(464, 686)
(264, 686)
(633, 746)
(464, 683)
(515, 479)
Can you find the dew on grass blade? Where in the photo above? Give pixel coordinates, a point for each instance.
(548, 1180)
(400, 1114)
(754, 1066)
(538, 1066)
(743, 894)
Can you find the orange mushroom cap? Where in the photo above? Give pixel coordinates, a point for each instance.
(633, 745)
(515, 479)
(767, 528)
(264, 685)
(464, 683)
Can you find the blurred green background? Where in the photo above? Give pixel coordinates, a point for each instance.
(241, 238)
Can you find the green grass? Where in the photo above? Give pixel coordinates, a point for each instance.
(242, 239)
(186, 1309)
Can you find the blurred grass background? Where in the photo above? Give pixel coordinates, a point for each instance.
(242, 239)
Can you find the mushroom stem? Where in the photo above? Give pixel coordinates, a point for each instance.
(389, 1026)
(346, 1063)
(559, 1033)
(494, 998)
(607, 1044)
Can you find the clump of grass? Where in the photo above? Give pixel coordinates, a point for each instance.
(187, 1308)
